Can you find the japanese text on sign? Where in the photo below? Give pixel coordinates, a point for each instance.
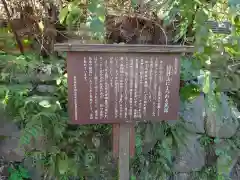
(124, 88)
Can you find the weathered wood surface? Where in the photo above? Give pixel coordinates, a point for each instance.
(124, 153)
(116, 136)
(74, 46)
(115, 140)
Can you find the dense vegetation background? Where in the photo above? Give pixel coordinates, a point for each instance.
(203, 144)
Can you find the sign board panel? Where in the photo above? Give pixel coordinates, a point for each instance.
(122, 85)
(117, 87)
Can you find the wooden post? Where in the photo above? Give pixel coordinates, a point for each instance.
(115, 140)
(124, 151)
(123, 147)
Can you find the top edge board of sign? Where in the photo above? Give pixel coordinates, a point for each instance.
(78, 47)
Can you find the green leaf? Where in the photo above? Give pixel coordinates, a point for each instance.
(10, 170)
(224, 164)
(58, 81)
(197, 1)
(76, 11)
(134, 3)
(63, 14)
(69, 19)
(92, 6)
(96, 25)
(15, 176)
(102, 18)
(189, 92)
(45, 104)
(133, 178)
(63, 165)
(2, 52)
(100, 11)
(71, 5)
(206, 84)
(24, 173)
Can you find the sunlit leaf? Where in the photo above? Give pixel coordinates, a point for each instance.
(206, 84)
(102, 18)
(45, 104)
(41, 26)
(69, 20)
(71, 5)
(63, 14)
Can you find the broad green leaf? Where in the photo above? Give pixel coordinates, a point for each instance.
(71, 5)
(69, 20)
(62, 166)
(134, 3)
(24, 172)
(58, 81)
(201, 16)
(224, 164)
(76, 11)
(92, 6)
(133, 178)
(15, 176)
(197, 1)
(206, 84)
(189, 92)
(63, 14)
(73, 17)
(45, 104)
(96, 8)
(100, 11)
(102, 18)
(96, 25)
(10, 170)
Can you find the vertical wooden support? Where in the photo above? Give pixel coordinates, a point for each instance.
(132, 140)
(123, 147)
(115, 140)
(124, 151)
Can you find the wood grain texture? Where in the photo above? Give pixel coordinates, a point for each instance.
(124, 154)
(132, 141)
(115, 140)
(74, 46)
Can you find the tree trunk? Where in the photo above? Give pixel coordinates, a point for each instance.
(20, 46)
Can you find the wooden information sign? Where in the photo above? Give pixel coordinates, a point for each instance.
(130, 84)
(121, 84)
